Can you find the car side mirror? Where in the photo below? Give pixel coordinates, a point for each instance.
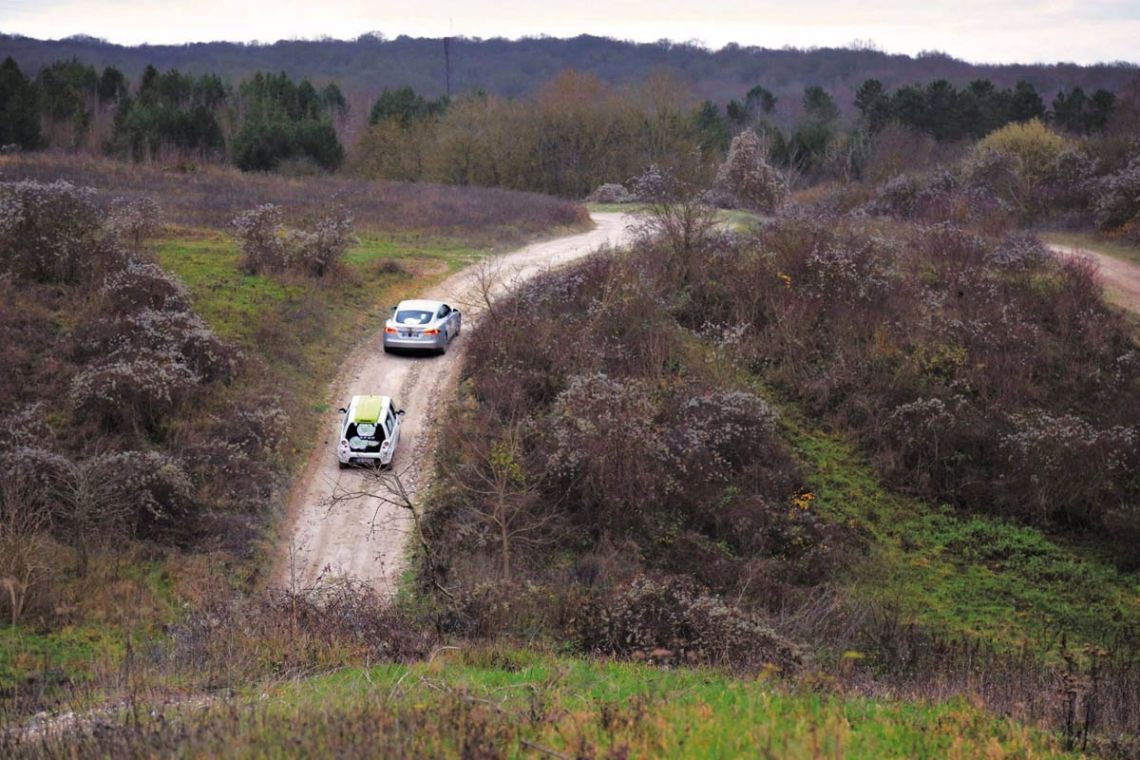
(400, 412)
(455, 311)
(342, 410)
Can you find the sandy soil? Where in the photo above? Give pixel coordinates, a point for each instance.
(1121, 279)
(329, 536)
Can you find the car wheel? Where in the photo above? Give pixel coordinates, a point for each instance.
(443, 348)
(341, 465)
(387, 350)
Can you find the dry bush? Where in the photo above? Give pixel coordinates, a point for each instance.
(149, 333)
(231, 643)
(132, 394)
(938, 351)
(747, 175)
(134, 219)
(51, 232)
(143, 285)
(670, 620)
(261, 240)
(268, 246)
(207, 198)
(30, 559)
(1116, 200)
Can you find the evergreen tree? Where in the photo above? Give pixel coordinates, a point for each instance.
(19, 114)
(1025, 103)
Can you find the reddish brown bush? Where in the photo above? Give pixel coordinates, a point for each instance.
(143, 285)
(671, 620)
(51, 232)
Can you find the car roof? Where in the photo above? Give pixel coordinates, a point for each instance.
(419, 303)
(368, 408)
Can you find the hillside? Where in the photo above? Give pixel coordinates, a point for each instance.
(512, 68)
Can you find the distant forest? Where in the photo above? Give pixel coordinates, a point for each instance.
(514, 68)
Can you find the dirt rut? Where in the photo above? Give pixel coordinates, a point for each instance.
(326, 539)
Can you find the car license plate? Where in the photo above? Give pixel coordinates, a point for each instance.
(407, 334)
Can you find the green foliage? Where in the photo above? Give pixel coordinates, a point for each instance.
(1031, 144)
(405, 107)
(282, 120)
(947, 113)
(19, 112)
(1075, 112)
(818, 106)
(170, 111)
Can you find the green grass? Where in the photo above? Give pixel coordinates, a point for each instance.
(960, 574)
(1095, 242)
(235, 304)
(504, 703)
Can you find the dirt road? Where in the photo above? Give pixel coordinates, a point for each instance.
(1121, 279)
(327, 538)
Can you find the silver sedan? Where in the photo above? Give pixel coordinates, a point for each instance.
(422, 325)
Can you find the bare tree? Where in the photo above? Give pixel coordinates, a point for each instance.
(390, 488)
(678, 209)
(502, 496)
(25, 565)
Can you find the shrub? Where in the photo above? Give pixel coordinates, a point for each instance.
(50, 232)
(150, 332)
(132, 394)
(267, 245)
(319, 251)
(141, 285)
(1032, 145)
(1067, 468)
(611, 193)
(260, 238)
(1116, 197)
(672, 620)
(608, 452)
(747, 175)
(134, 219)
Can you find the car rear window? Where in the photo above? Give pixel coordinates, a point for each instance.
(413, 317)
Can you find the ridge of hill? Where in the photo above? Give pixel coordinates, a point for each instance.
(512, 68)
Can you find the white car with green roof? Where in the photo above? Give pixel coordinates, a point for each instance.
(370, 432)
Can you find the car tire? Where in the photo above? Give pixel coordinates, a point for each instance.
(387, 349)
(341, 465)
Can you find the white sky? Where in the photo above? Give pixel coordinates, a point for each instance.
(1028, 31)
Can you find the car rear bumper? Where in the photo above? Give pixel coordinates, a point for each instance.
(367, 460)
(435, 342)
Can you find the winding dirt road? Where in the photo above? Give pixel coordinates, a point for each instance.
(329, 536)
(1121, 279)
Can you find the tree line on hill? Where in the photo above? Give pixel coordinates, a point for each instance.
(264, 121)
(519, 68)
(575, 133)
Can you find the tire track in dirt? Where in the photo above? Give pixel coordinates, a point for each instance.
(325, 539)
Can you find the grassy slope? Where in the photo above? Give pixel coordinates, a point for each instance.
(496, 703)
(967, 575)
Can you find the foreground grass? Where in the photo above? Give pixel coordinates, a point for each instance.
(964, 575)
(502, 703)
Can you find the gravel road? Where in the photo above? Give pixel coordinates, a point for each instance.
(329, 537)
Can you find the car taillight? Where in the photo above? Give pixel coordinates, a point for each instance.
(432, 331)
(390, 330)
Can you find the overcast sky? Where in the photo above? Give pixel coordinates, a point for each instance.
(1083, 31)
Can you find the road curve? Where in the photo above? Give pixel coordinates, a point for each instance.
(1121, 279)
(328, 537)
